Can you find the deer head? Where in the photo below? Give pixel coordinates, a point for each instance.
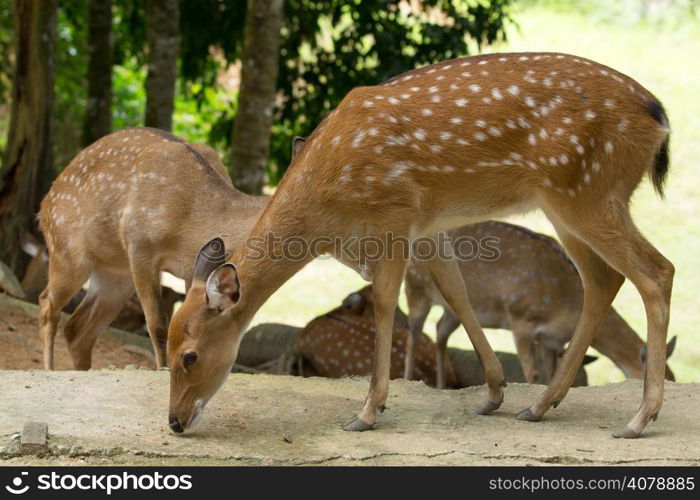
(201, 349)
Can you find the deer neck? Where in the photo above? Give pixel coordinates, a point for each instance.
(266, 259)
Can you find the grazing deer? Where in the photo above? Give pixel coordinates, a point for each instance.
(521, 281)
(126, 208)
(430, 150)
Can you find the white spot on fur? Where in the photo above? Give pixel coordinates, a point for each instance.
(531, 139)
(445, 135)
(426, 112)
(496, 93)
(608, 147)
(461, 102)
(474, 88)
(435, 98)
(456, 120)
(419, 134)
(357, 139)
(529, 101)
(590, 114)
(513, 90)
(479, 136)
(495, 131)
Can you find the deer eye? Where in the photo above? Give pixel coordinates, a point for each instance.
(188, 358)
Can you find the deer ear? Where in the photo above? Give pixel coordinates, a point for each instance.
(297, 145)
(211, 256)
(670, 347)
(354, 302)
(587, 359)
(223, 289)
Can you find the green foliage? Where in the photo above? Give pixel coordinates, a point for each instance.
(328, 47)
(128, 95)
(332, 46)
(5, 69)
(69, 80)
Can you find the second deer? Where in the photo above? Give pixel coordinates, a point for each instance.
(520, 281)
(125, 209)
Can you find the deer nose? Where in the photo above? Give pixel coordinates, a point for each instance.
(175, 425)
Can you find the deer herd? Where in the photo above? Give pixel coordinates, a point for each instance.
(434, 151)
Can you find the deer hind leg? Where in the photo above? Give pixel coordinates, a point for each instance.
(446, 325)
(65, 279)
(146, 278)
(418, 309)
(652, 275)
(106, 296)
(448, 278)
(600, 285)
(388, 275)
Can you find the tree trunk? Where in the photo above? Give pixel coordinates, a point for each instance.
(256, 97)
(27, 169)
(98, 112)
(163, 26)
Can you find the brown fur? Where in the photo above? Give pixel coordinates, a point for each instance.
(340, 343)
(125, 209)
(532, 289)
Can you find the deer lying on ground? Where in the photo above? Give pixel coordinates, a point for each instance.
(523, 282)
(430, 150)
(341, 342)
(352, 324)
(126, 208)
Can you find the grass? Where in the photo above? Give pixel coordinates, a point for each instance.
(663, 57)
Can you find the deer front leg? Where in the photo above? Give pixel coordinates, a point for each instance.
(447, 324)
(147, 284)
(388, 276)
(448, 278)
(418, 310)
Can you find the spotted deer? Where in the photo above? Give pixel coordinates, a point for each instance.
(125, 209)
(520, 281)
(340, 343)
(433, 149)
(352, 325)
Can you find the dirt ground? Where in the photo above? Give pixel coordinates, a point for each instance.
(20, 346)
(119, 416)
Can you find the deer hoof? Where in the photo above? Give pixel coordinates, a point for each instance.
(487, 408)
(357, 425)
(626, 433)
(528, 416)
(556, 403)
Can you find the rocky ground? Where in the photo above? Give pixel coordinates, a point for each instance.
(119, 416)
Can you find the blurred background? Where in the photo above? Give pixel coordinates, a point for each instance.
(246, 77)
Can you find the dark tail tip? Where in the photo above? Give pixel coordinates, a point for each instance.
(661, 160)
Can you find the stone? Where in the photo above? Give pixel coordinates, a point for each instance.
(33, 440)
